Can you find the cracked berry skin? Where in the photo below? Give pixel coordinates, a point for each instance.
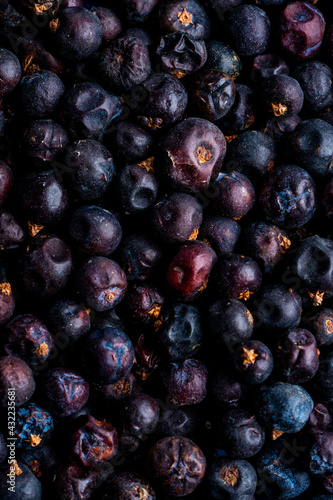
(191, 154)
(265, 243)
(282, 95)
(107, 355)
(297, 358)
(43, 141)
(68, 318)
(253, 361)
(140, 415)
(131, 486)
(27, 486)
(288, 197)
(137, 188)
(229, 322)
(63, 392)
(312, 263)
(302, 28)
(10, 71)
(231, 478)
(43, 199)
(320, 324)
(76, 33)
(101, 283)
(177, 464)
(179, 336)
(124, 63)
(180, 55)
(185, 382)
(310, 147)
(88, 169)
(212, 94)
(95, 230)
(47, 265)
(176, 217)
(240, 434)
(237, 277)
(178, 16)
(88, 110)
(277, 308)
(164, 103)
(249, 29)
(94, 441)
(15, 374)
(29, 339)
(188, 272)
(220, 233)
(284, 407)
(235, 195)
(40, 93)
(33, 420)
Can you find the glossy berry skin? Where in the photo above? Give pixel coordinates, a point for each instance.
(140, 415)
(180, 55)
(276, 474)
(321, 382)
(63, 392)
(124, 63)
(40, 94)
(47, 265)
(43, 199)
(192, 153)
(76, 33)
(249, 30)
(310, 147)
(164, 103)
(6, 180)
(253, 361)
(88, 110)
(94, 442)
(223, 58)
(267, 65)
(101, 283)
(212, 94)
(321, 461)
(178, 465)
(252, 153)
(237, 277)
(320, 324)
(11, 233)
(184, 17)
(302, 28)
(226, 390)
(179, 335)
(33, 425)
(10, 71)
(315, 78)
(43, 141)
(95, 230)
(139, 256)
(265, 243)
(137, 187)
(188, 272)
(281, 95)
(229, 322)
(177, 218)
(27, 486)
(28, 338)
(231, 478)
(130, 142)
(88, 169)
(284, 407)
(235, 195)
(107, 355)
(111, 24)
(312, 263)
(68, 319)
(185, 382)
(288, 197)
(144, 302)
(241, 435)
(242, 114)
(130, 485)
(220, 233)
(277, 308)
(15, 374)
